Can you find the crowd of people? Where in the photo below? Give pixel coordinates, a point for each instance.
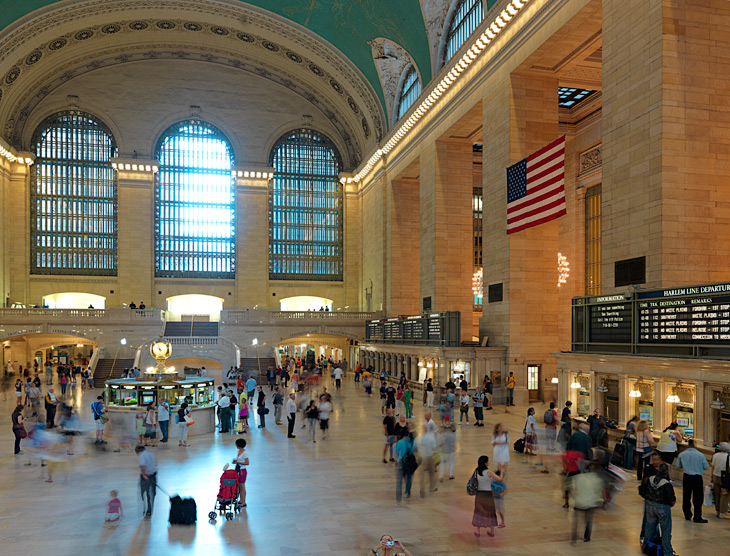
(578, 448)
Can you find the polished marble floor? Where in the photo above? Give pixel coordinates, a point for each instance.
(333, 497)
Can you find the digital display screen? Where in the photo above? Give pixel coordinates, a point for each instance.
(610, 323)
(685, 321)
(683, 422)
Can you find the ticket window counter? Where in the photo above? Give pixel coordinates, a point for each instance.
(457, 369)
(644, 405)
(584, 396)
(683, 412)
(722, 416)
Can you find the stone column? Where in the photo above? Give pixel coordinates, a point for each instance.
(135, 232)
(701, 413)
(15, 231)
(446, 191)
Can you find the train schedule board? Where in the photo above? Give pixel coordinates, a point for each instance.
(685, 320)
(442, 328)
(610, 320)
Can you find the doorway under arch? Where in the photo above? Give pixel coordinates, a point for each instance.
(199, 306)
(305, 303)
(74, 300)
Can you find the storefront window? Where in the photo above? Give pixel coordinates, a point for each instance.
(683, 412)
(610, 403)
(205, 395)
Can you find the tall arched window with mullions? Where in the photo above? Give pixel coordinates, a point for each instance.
(410, 89)
(305, 208)
(73, 197)
(194, 203)
(467, 17)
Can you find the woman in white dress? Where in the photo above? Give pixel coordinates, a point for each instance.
(500, 442)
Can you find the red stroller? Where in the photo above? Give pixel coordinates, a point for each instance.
(228, 500)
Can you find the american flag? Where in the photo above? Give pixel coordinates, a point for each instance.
(536, 188)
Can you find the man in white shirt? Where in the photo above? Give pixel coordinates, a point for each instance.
(224, 403)
(325, 408)
(291, 415)
(719, 463)
(148, 478)
(163, 418)
(338, 376)
(430, 425)
(426, 446)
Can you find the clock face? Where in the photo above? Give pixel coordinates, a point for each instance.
(160, 350)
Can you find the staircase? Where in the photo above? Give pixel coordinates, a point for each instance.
(191, 329)
(250, 365)
(111, 368)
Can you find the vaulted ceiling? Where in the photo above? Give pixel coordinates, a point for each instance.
(348, 25)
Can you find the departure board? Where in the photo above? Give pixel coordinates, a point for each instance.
(685, 321)
(610, 322)
(443, 328)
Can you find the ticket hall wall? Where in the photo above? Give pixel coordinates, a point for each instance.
(607, 380)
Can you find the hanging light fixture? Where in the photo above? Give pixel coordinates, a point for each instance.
(602, 388)
(673, 398)
(635, 393)
(575, 385)
(718, 403)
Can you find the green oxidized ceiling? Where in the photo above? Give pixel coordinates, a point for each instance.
(346, 24)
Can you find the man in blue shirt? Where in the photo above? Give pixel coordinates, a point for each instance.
(693, 463)
(251, 387)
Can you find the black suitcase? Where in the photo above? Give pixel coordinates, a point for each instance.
(519, 445)
(183, 511)
(618, 454)
(653, 547)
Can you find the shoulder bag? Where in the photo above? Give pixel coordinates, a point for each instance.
(725, 474)
(472, 486)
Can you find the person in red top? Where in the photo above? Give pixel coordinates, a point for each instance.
(239, 384)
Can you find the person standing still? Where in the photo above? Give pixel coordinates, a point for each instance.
(224, 404)
(278, 406)
(51, 402)
(429, 392)
(478, 399)
(97, 408)
(163, 418)
(510, 383)
(250, 388)
(389, 431)
(261, 406)
(291, 415)
(147, 479)
(659, 495)
(338, 377)
(693, 463)
(464, 407)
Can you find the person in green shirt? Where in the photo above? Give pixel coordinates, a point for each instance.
(408, 402)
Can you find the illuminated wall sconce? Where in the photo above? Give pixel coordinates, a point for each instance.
(673, 397)
(554, 380)
(563, 269)
(635, 393)
(575, 385)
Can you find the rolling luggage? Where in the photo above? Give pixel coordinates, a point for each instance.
(183, 511)
(618, 454)
(519, 445)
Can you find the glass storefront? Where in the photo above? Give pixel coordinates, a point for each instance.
(644, 407)
(131, 393)
(584, 395)
(610, 406)
(457, 369)
(683, 413)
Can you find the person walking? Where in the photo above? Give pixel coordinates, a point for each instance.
(147, 479)
(588, 494)
(150, 426)
(550, 419)
(324, 408)
(720, 463)
(510, 383)
(19, 431)
(693, 463)
(278, 406)
(429, 392)
(530, 433)
(500, 444)
(97, 408)
(488, 388)
(241, 463)
(338, 376)
(408, 401)
(291, 415)
(389, 431)
(485, 515)
(182, 425)
(464, 407)
(18, 392)
(251, 388)
(163, 418)
(644, 445)
(312, 414)
(64, 384)
(261, 408)
(478, 399)
(426, 447)
(447, 446)
(659, 495)
(399, 407)
(51, 403)
(404, 467)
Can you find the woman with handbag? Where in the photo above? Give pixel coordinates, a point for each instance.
(480, 485)
(644, 445)
(261, 408)
(18, 427)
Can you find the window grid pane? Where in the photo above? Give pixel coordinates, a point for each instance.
(410, 92)
(305, 209)
(73, 200)
(194, 203)
(469, 15)
(593, 240)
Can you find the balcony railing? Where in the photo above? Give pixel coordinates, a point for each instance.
(269, 316)
(114, 314)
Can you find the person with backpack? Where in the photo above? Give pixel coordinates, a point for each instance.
(478, 399)
(97, 408)
(405, 466)
(550, 419)
(721, 463)
(658, 493)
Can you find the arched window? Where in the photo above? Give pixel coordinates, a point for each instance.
(305, 208)
(194, 203)
(410, 90)
(469, 14)
(73, 197)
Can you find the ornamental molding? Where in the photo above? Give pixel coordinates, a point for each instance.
(591, 159)
(117, 19)
(434, 15)
(34, 92)
(390, 60)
